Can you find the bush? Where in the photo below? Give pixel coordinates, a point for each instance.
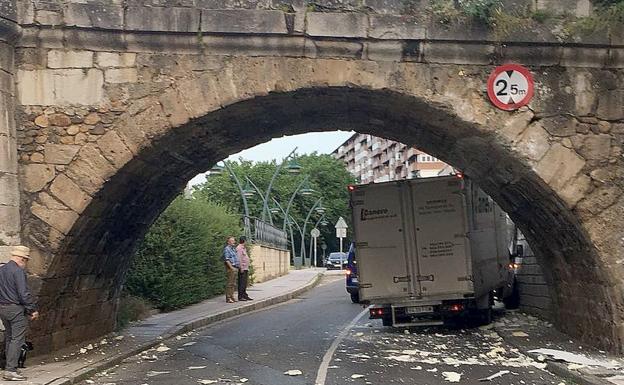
(179, 261)
(132, 308)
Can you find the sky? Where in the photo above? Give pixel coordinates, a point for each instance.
(278, 148)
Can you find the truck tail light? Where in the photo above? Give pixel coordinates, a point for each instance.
(376, 313)
(456, 307)
(347, 272)
(351, 187)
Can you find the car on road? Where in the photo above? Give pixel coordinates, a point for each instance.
(336, 260)
(352, 277)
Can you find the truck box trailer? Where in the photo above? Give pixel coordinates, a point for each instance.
(430, 250)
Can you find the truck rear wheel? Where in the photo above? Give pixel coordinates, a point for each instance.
(355, 297)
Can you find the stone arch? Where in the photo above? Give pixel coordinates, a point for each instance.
(164, 136)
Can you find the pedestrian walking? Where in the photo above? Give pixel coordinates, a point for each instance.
(230, 259)
(16, 306)
(243, 270)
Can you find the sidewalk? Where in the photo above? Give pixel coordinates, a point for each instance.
(528, 333)
(77, 363)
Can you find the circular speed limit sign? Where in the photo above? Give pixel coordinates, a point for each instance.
(510, 87)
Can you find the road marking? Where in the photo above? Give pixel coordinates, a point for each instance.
(322, 372)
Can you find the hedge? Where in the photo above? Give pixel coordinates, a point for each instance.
(179, 261)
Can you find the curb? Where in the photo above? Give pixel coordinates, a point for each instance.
(558, 368)
(85, 373)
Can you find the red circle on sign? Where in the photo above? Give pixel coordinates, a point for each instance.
(504, 97)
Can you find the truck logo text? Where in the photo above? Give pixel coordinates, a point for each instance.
(367, 215)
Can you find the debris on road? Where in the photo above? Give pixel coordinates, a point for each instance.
(451, 376)
(162, 348)
(196, 367)
(354, 376)
(153, 373)
(206, 382)
(519, 334)
(293, 372)
(560, 355)
(495, 375)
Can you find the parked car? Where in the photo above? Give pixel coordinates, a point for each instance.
(336, 260)
(352, 277)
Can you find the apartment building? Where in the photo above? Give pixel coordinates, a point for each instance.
(373, 159)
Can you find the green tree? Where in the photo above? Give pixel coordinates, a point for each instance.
(179, 261)
(327, 176)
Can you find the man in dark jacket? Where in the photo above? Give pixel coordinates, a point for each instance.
(16, 303)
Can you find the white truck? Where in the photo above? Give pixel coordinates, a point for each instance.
(430, 251)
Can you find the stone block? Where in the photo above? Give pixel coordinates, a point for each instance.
(337, 24)
(7, 54)
(610, 104)
(90, 169)
(616, 58)
(60, 87)
(10, 224)
(595, 147)
(8, 155)
(69, 193)
(121, 75)
(70, 59)
(584, 57)
(169, 19)
(61, 220)
(458, 53)
(60, 153)
(395, 28)
(93, 15)
(558, 166)
(51, 18)
(9, 190)
(34, 177)
(530, 55)
(337, 49)
(5, 256)
(562, 126)
(243, 21)
(48, 201)
(114, 149)
(534, 142)
(112, 59)
(384, 50)
(575, 190)
(25, 12)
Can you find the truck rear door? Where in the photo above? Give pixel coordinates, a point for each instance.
(443, 248)
(380, 245)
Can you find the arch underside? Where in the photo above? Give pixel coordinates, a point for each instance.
(102, 240)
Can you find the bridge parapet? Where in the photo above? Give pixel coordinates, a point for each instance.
(518, 21)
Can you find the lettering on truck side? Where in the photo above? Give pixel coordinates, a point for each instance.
(367, 215)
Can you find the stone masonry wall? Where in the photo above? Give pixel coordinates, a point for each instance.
(112, 123)
(9, 190)
(269, 262)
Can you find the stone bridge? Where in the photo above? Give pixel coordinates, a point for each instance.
(108, 107)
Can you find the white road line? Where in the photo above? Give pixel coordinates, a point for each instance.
(322, 372)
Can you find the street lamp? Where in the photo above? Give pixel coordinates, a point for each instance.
(293, 168)
(304, 189)
(305, 224)
(244, 192)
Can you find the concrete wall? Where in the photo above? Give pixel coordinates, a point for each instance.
(269, 262)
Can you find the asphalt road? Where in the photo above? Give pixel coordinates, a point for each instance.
(331, 342)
